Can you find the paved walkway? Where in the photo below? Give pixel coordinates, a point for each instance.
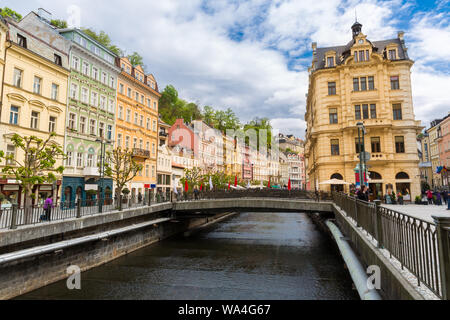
(419, 211)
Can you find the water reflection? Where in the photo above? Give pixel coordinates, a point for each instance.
(250, 256)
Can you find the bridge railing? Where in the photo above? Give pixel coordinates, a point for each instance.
(414, 242)
(252, 193)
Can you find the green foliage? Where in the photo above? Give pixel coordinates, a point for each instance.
(136, 60)
(60, 24)
(258, 124)
(38, 164)
(125, 191)
(104, 39)
(7, 12)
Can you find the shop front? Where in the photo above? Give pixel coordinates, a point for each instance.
(12, 192)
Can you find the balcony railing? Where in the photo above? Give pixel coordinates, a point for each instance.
(141, 153)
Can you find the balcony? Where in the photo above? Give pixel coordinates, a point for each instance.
(163, 134)
(91, 172)
(141, 153)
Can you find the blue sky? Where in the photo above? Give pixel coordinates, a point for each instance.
(253, 55)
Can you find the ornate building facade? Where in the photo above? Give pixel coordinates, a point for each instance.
(369, 82)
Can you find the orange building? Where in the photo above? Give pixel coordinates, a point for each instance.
(137, 122)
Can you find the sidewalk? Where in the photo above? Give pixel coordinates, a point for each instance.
(419, 211)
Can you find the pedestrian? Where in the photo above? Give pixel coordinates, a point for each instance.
(196, 192)
(444, 196)
(361, 194)
(140, 197)
(48, 208)
(438, 198)
(429, 196)
(400, 197)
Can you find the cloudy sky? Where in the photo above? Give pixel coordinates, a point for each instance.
(253, 55)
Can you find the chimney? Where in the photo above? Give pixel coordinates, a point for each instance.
(400, 35)
(44, 15)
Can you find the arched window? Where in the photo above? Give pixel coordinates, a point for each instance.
(402, 175)
(337, 176)
(375, 175)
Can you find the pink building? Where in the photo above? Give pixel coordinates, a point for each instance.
(444, 149)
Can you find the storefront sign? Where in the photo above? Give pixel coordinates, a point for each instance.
(3, 181)
(146, 186)
(13, 187)
(45, 188)
(153, 186)
(90, 187)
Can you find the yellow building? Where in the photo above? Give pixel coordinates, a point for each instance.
(34, 91)
(369, 82)
(3, 32)
(434, 153)
(425, 166)
(137, 122)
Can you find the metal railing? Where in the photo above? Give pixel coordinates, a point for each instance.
(410, 240)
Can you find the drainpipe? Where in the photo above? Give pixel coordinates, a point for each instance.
(357, 272)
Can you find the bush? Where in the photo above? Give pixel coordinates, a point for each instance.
(125, 191)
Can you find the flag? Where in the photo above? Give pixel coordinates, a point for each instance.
(210, 183)
(175, 188)
(201, 186)
(228, 185)
(268, 184)
(186, 186)
(289, 184)
(235, 181)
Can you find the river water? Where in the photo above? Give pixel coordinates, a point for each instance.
(249, 256)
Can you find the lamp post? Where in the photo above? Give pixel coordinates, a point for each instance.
(362, 151)
(102, 170)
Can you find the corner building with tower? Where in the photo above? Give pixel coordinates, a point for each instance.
(365, 82)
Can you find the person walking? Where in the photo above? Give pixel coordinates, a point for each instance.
(361, 194)
(196, 192)
(429, 196)
(444, 196)
(48, 203)
(438, 198)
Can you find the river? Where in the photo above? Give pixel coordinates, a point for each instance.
(248, 256)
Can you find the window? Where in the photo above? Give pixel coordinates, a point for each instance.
(17, 77)
(147, 170)
(104, 78)
(367, 55)
(333, 116)
(34, 120)
(375, 144)
(121, 88)
(373, 111)
(10, 153)
(127, 142)
(55, 91)
(134, 143)
(154, 125)
(147, 146)
(355, 84)
(356, 56)
(94, 73)
(69, 158)
(334, 147)
(135, 118)
(72, 121)
(101, 129)
(395, 84)
(330, 62)
(90, 160)
(111, 105)
(57, 59)
(148, 123)
(85, 68)
(128, 115)
(142, 99)
(331, 88)
(37, 85)
(79, 159)
(129, 93)
(76, 63)
(84, 95)
(358, 146)
(92, 127)
(102, 102)
(361, 55)
(141, 121)
(141, 144)
(397, 111)
(119, 140)
(153, 148)
(154, 105)
(149, 103)
(392, 54)
(112, 82)
(52, 124)
(136, 96)
(399, 144)
(120, 112)
(14, 115)
(365, 108)
(74, 91)
(363, 84)
(94, 98)
(109, 133)
(82, 124)
(371, 83)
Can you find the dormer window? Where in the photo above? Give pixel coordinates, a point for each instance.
(21, 41)
(330, 62)
(392, 54)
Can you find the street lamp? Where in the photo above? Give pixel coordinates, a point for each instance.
(102, 170)
(362, 156)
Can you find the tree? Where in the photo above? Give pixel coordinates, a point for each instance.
(60, 24)
(121, 167)
(258, 124)
(7, 12)
(136, 60)
(37, 167)
(104, 39)
(208, 115)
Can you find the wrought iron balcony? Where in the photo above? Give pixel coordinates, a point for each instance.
(141, 153)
